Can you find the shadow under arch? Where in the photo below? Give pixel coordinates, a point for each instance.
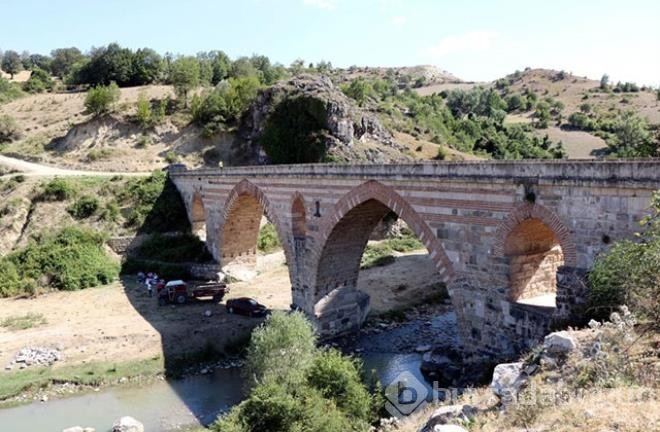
(338, 305)
(239, 225)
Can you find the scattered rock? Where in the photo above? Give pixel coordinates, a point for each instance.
(44, 398)
(445, 414)
(208, 313)
(508, 379)
(29, 356)
(423, 348)
(559, 343)
(127, 424)
(448, 428)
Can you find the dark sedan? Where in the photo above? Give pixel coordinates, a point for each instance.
(246, 306)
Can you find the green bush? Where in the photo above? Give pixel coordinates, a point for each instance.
(58, 189)
(144, 113)
(9, 91)
(9, 130)
(131, 266)
(628, 274)
(283, 341)
(296, 387)
(268, 240)
(39, 82)
(70, 259)
(100, 99)
(84, 207)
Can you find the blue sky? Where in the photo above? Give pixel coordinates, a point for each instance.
(474, 40)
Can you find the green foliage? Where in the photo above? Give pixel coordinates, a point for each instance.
(297, 387)
(627, 273)
(170, 271)
(9, 130)
(268, 241)
(337, 377)
(144, 113)
(283, 341)
(295, 131)
(358, 89)
(11, 63)
(58, 189)
(9, 91)
(84, 207)
(184, 76)
(153, 204)
(632, 137)
(376, 255)
(174, 249)
(70, 259)
(63, 60)
(100, 99)
(39, 82)
(604, 81)
(225, 103)
(171, 157)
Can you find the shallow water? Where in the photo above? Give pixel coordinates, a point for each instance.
(161, 406)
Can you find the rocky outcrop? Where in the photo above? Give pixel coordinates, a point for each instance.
(558, 343)
(438, 422)
(344, 126)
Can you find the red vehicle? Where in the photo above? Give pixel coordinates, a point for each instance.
(179, 292)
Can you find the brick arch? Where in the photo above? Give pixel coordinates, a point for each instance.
(298, 216)
(377, 199)
(526, 211)
(248, 194)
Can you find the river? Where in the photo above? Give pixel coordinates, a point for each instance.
(171, 405)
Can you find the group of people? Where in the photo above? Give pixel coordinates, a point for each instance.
(150, 280)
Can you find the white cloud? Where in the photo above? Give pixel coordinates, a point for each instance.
(399, 21)
(321, 4)
(470, 41)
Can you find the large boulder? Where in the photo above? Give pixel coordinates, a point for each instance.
(341, 124)
(127, 424)
(559, 343)
(508, 379)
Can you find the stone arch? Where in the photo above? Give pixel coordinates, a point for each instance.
(298, 216)
(198, 216)
(240, 222)
(526, 211)
(536, 244)
(346, 230)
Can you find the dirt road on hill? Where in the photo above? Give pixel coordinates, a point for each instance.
(34, 169)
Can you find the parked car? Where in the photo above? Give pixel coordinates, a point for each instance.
(246, 306)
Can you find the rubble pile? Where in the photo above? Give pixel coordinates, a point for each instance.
(30, 356)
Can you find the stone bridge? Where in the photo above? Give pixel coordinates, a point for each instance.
(498, 232)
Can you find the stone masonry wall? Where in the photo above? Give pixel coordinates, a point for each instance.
(462, 212)
(535, 274)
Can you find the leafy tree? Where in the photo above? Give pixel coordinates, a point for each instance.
(84, 207)
(323, 66)
(38, 61)
(604, 81)
(11, 63)
(38, 82)
(359, 89)
(297, 66)
(633, 137)
(147, 67)
(100, 99)
(221, 65)
(184, 76)
(243, 67)
(108, 64)
(64, 59)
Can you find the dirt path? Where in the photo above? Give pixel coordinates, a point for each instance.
(119, 322)
(34, 169)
